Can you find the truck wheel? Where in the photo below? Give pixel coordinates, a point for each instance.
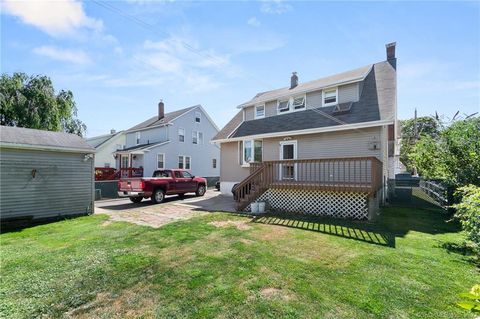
(158, 196)
(136, 199)
(200, 190)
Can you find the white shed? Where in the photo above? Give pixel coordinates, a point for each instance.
(44, 174)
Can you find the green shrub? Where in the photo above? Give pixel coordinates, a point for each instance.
(468, 212)
(471, 300)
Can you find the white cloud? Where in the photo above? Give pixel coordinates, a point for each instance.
(275, 7)
(53, 17)
(182, 61)
(254, 22)
(74, 56)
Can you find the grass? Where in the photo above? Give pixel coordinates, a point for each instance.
(225, 266)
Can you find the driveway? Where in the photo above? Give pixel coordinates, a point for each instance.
(172, 209)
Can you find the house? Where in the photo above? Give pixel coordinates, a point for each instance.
(44, 174)
(320, 147)
(105, 147)
(178, 139)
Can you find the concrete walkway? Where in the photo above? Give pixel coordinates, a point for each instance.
(172, 209)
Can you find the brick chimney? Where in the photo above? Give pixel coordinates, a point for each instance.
(293, 80)
(161, 110)
(391, 54)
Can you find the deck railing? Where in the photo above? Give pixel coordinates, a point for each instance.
(109, 173)
(105, 173)
(356, 174)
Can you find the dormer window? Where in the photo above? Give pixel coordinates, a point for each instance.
(330, 96)
(283, 106)
(259, 111)
(295, 103)
(299, 102)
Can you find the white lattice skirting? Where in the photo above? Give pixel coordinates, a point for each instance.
(320, 203)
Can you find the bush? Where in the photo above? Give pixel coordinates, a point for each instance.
(471, 300)
(468, 212)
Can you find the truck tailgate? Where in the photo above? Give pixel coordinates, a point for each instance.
(132, 184)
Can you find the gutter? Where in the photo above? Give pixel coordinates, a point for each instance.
(47, 148)
(308, 131)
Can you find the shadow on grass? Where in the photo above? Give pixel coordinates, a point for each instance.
(463, 249)
(357, 230)
(392, 223)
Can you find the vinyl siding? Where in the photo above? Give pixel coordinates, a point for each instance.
(230, 169)
(201, 154)
(153, 135)
(104, 153)
(63, 184)
(352, 143)
(346, 93)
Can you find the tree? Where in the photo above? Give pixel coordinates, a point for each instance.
(30, 101)
(454, 155)
(426, 126)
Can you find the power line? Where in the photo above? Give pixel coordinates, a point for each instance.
(213, 59)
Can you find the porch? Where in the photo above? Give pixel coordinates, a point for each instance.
(340, 187)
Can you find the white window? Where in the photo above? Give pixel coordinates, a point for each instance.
(252, 151)
(214, 163)
(330, 96)
(160, 161)
(184, 162)
(181, 135)
(299, 102)
(291, 104)
(197, 137)
(259, 111)
(194, 137)
(137, 140)
(283, 106)
(198, 117)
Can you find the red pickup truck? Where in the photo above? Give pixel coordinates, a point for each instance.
(163, 182)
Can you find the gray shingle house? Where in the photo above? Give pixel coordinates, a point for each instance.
(323, 147)
(44, 174)
(178, 139)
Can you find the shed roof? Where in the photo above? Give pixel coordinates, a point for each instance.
(19, 137)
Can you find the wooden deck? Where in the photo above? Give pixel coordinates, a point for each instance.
(356, 174)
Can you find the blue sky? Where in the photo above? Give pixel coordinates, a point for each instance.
(220, 54)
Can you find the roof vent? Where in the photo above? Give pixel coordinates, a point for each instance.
(112, 131)
(293, 80)
(342, 108)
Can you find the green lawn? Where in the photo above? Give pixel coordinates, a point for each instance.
(222, 265)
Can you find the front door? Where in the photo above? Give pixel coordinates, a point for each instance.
(124, 163)
(288, 151)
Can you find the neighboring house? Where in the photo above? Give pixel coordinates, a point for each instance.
(44, 174)
(179, 139)
(105, 148)
(322, 147)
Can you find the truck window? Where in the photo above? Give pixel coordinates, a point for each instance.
(187, 175)
(178, 174)
(162, 174)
